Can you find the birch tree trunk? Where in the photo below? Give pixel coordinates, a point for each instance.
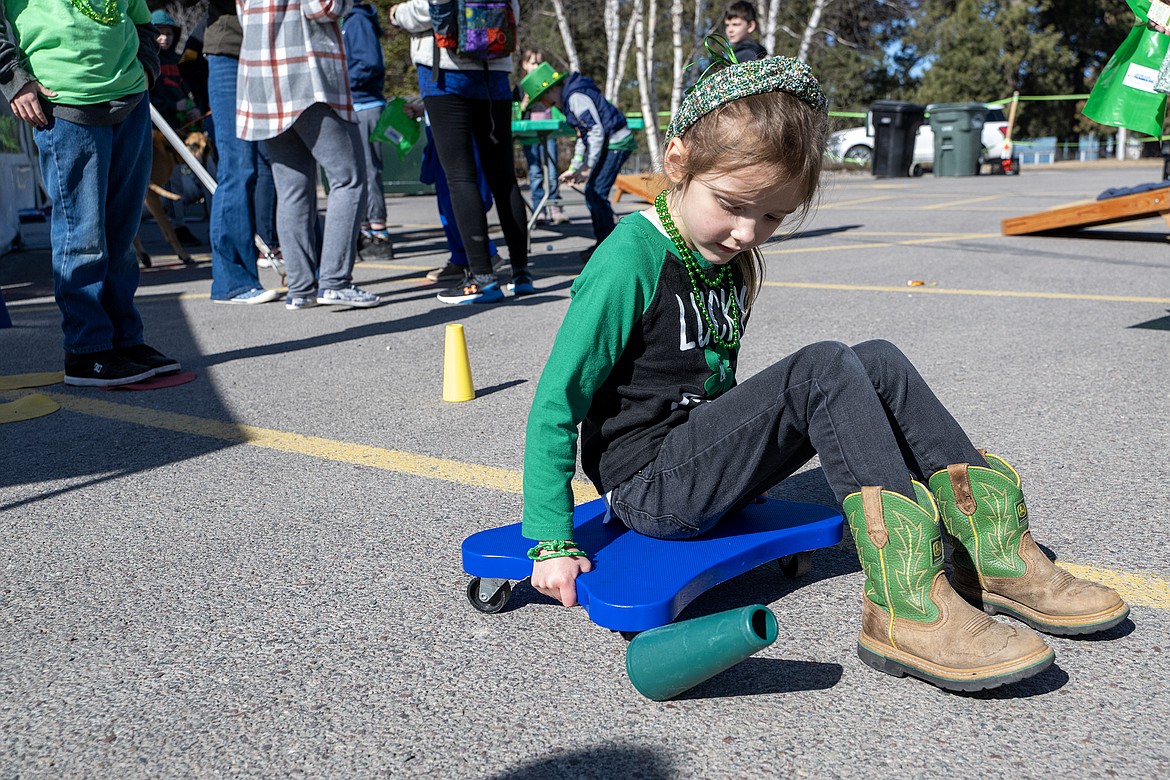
(624, 55)
(651, 21)
(700, 24)
(612, 42)
(642, 66)
(566, 35)
(676, 12)
(649, 46)
(770, 27)
(810, 30)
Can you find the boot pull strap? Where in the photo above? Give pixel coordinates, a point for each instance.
(875, 519)
(961, 484)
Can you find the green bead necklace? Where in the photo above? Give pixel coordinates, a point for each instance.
(699, 279)
(109, 15)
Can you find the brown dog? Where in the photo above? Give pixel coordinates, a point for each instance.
(162, 164)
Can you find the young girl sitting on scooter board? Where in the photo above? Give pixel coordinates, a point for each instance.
(645, 363)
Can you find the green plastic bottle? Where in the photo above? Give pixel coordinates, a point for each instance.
(663, 662)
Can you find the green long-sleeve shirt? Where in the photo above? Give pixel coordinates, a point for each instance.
(632, 357)
(84, 61)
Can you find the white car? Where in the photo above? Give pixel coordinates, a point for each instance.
(855, 145)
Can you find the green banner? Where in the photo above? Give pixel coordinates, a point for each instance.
(1124, 94)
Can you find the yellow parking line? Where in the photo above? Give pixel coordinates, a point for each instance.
(983, 293)
(1138, 590)
(956, 237)
(919, 233)
(1144, 590)
(877, 245)
(504, 480)
(856, 202)
(952, 203)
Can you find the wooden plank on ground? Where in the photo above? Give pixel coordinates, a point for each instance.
(642, 185)
(1126, 208)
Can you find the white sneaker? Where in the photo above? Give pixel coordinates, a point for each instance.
(348, 296)
(250, 297)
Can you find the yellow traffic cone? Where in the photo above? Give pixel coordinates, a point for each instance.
(457, 384)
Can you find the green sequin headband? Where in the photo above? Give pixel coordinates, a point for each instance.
(719, 84)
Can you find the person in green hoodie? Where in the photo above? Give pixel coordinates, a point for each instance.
(79, 74)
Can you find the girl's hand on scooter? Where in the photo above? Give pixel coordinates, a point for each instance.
(557, 577)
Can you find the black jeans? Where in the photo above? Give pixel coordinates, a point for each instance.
(455, 123)
(865, 410)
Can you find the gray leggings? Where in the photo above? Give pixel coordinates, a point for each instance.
(864, 409)
(372, 154)
(318, 137)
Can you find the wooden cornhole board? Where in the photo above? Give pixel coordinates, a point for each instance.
(642, 185)
(1126, 208)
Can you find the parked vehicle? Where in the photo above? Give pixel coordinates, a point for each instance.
(855, 145)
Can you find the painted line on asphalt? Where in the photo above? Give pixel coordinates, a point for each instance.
(855, 202)
(469, 474)
(952, 203)
(980, 293)
(1137, 589)
(933, 239)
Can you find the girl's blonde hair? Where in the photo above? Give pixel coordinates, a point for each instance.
(773, 130)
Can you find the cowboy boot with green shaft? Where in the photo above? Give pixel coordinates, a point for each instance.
(912, 621)
(999, 565)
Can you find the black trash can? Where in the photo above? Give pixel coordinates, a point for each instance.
(958, 137)
(895, 123)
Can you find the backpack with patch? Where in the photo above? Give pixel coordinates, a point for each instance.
(476, 29)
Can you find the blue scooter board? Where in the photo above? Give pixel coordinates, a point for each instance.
(638, 583)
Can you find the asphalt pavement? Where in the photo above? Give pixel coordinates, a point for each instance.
(257, 574)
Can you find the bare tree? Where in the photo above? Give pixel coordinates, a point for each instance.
(810, 30)
(676, 13)
(650, 19)
(612, 20)
(769, 35)
(700, 24)
(643, 64)
(624, 54)
(566, 35)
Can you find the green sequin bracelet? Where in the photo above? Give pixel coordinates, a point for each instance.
(545, 551)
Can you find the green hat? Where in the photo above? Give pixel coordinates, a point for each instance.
(542, 78)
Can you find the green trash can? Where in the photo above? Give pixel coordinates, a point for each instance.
(958, 137)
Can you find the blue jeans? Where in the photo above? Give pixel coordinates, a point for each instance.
(597, 189)
(432, 173)
(96, 178)
(264, 198)
(865, 410)
(233, 221)
(536, 171)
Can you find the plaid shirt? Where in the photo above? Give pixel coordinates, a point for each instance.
(292, 56)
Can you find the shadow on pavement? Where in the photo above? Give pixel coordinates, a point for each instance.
(86, 448)
(627, 761)
(761, 676)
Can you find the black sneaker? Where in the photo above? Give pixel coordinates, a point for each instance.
(448, 273)
(186, 237)
(103, 369)
(149, 357)
(472, 291)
